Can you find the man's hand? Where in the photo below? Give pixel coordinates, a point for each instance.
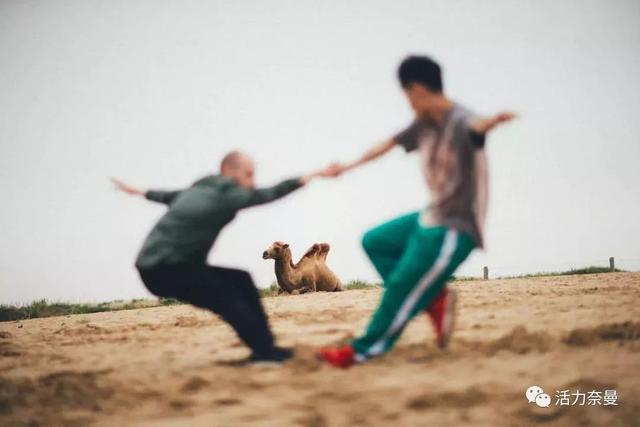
(485, 124)
(126, 188)
(330, 171)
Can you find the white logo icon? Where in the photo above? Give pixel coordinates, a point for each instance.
(532, 392)
(535, 394)
(543, 400)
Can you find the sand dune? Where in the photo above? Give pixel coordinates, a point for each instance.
(177, 365)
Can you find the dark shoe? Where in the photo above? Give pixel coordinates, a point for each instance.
(276, 355)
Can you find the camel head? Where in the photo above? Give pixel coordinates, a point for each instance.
(278, 250)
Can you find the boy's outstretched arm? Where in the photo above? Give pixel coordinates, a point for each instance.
(483, 125)
(371, 154)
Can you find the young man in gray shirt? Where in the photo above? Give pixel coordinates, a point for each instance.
(417, 253)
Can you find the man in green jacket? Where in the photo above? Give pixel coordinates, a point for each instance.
(172, 261)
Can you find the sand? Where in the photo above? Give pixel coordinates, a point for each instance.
(176, 365)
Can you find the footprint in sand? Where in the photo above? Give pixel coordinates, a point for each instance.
(194, 384)
(627, 331)
(226, 402)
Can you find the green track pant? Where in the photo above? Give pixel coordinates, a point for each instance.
(415, 263)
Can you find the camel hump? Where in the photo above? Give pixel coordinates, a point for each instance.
(311, 251)
(323, 250)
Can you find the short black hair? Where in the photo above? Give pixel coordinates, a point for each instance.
(420, 69)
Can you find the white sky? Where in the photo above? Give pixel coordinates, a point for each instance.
(155, 92)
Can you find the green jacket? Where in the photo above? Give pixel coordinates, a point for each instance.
(196, 215)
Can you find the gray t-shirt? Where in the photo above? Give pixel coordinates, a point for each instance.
(454, 166)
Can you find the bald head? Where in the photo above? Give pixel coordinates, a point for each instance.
(239, 167)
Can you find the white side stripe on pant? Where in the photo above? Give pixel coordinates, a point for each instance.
(442, 262)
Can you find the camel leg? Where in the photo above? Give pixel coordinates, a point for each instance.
(309, 285)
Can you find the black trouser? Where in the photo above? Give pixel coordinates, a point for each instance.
(227, 292)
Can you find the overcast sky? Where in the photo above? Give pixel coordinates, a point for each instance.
(155, 92)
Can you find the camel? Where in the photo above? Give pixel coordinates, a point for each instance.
(309, 274)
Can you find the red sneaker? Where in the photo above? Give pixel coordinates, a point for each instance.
(442, 314)
(340, 357)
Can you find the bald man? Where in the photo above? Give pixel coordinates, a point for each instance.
(172, 261)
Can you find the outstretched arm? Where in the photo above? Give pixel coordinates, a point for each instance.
(483, 125)
(373, 153)
(244, 197)
(159, 196)
(126, 188)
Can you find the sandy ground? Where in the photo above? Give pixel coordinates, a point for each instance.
(174, 366)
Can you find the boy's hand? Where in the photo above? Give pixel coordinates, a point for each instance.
(126, 188)
(504, 117)
(333, 170)
(485, 124)
(330, 171)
